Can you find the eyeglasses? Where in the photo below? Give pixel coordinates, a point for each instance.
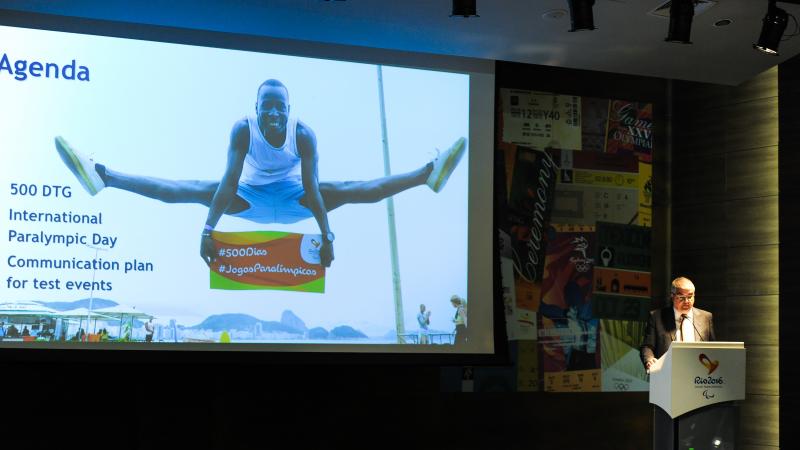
(684, 298)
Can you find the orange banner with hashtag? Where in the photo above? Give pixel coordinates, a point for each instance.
(267, 260)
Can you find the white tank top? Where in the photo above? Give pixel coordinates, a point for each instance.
(265, 164)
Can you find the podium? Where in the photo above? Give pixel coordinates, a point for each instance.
(694, 387)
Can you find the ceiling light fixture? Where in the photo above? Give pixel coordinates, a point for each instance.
(580, 13)
(681, 13)
(774, 24)
(465, 8)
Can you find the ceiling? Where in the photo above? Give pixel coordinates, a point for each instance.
(628, 39)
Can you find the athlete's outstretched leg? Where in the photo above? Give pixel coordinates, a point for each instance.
(169, 191)
(435, 174)
(94, 177)
(338, 193)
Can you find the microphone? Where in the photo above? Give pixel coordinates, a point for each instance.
(684, 316)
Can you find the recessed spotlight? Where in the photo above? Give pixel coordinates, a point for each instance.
(723, 22)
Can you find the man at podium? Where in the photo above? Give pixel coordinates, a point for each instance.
(680, 321)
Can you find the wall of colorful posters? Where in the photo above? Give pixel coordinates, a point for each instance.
(594, 290)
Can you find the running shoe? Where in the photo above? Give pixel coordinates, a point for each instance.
(82, 167)
(445, 163)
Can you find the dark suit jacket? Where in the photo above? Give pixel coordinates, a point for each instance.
(661, 331)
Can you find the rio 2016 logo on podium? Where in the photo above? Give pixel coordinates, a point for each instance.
(711, 366)
(708, 363)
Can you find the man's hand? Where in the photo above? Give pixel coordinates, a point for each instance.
(649, 363)
(326, 253)
(207, 249)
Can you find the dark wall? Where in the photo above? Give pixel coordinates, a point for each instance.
(789, 213)
(725, 221)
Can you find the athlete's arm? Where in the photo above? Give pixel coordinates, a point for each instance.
(237, 149)
(307, 148)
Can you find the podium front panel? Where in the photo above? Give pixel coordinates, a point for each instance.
(704, 374)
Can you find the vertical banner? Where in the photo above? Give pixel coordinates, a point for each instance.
(530, 202)
(568, 331)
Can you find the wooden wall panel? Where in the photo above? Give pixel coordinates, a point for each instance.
(717, 305)
(752, 221)
(697, 180)
(751, 173)
(759, 420)
(727, 138)
(744, 222)
(730, 128)
(762, 369)
(751, 124)
(707, 96)
(752, 319)
(752, 271)
(706, 267)
(687, 234)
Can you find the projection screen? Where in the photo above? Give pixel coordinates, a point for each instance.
(165, 196)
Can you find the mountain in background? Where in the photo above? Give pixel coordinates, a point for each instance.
(97, 303)
(290, 323)
(226, 322)
(290, 319)
(318, 333)
(345, 332)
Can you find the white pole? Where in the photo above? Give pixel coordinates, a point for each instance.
(387, 170)
(91, 292)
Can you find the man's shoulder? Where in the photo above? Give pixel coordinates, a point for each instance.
(701, 312)
(304, 131)
(241, 125)
(240, 135)
(306, 139)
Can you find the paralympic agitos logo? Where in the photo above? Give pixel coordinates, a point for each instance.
(21, 69)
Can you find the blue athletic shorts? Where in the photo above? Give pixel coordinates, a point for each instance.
(277, 202)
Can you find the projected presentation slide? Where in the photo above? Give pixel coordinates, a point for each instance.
(157, 193)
